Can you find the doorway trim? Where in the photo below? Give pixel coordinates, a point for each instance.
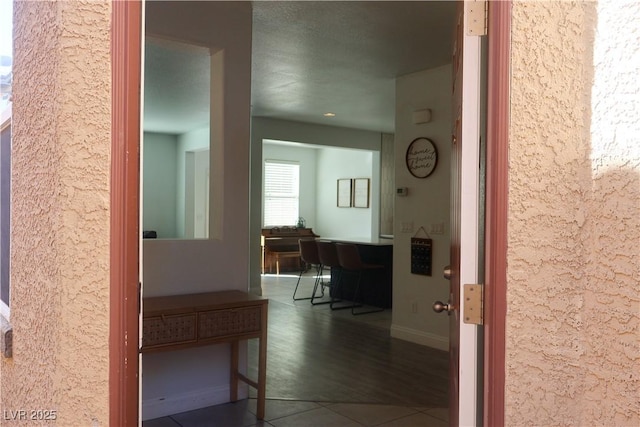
(126, 30)
(497, 189)
(125, 169)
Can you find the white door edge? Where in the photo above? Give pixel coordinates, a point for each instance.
(470, 184)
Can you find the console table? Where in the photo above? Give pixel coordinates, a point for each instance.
(183, 321)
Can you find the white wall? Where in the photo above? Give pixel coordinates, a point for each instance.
(159, 184)
(334, 164)
(190, 266)
(426, 204)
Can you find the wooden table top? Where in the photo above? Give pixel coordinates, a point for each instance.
(198, 302)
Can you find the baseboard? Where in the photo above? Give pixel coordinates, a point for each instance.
(187, 401)
(420, 337)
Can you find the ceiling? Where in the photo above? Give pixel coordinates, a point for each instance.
(310, 58)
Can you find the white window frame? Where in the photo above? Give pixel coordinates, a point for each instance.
(295, 195)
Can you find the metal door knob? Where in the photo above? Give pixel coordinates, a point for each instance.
(439, 307)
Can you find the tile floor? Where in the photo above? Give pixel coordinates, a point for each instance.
(282, 413)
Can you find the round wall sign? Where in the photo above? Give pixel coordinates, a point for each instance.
(422, 157)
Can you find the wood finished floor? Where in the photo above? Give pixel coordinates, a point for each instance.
(315, 354)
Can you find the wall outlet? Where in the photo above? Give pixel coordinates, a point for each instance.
(414, 308)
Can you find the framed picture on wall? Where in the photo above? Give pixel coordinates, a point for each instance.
(344, 193)
(361, 193)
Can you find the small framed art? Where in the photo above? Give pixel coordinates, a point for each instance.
(344, 193)
(361, 193)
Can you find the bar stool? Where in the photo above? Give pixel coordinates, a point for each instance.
(309, 255)
(329, 258)
(351, 262)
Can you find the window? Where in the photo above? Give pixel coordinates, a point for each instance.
(5, 195)
(6, 77)
(281, 193)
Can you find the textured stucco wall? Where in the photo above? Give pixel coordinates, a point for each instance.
(573, 353)
(60, 216)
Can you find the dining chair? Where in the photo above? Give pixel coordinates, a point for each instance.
(309, 255)
(329, 258)
(351, 263)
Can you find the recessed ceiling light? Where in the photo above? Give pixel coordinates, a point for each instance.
(329, 114)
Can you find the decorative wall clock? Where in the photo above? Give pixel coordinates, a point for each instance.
(422, 157)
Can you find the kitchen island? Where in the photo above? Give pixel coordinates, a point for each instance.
(376, 287)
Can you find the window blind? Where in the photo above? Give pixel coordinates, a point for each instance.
(281, 193)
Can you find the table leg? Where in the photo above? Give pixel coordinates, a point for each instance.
(233, 388)
(262, 366)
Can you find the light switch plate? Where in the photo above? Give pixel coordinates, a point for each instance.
(437, 228)
(407, 227)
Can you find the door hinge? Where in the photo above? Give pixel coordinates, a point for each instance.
(473, 304)
(477, 17)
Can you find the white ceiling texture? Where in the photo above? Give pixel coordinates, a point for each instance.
(314, 57)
